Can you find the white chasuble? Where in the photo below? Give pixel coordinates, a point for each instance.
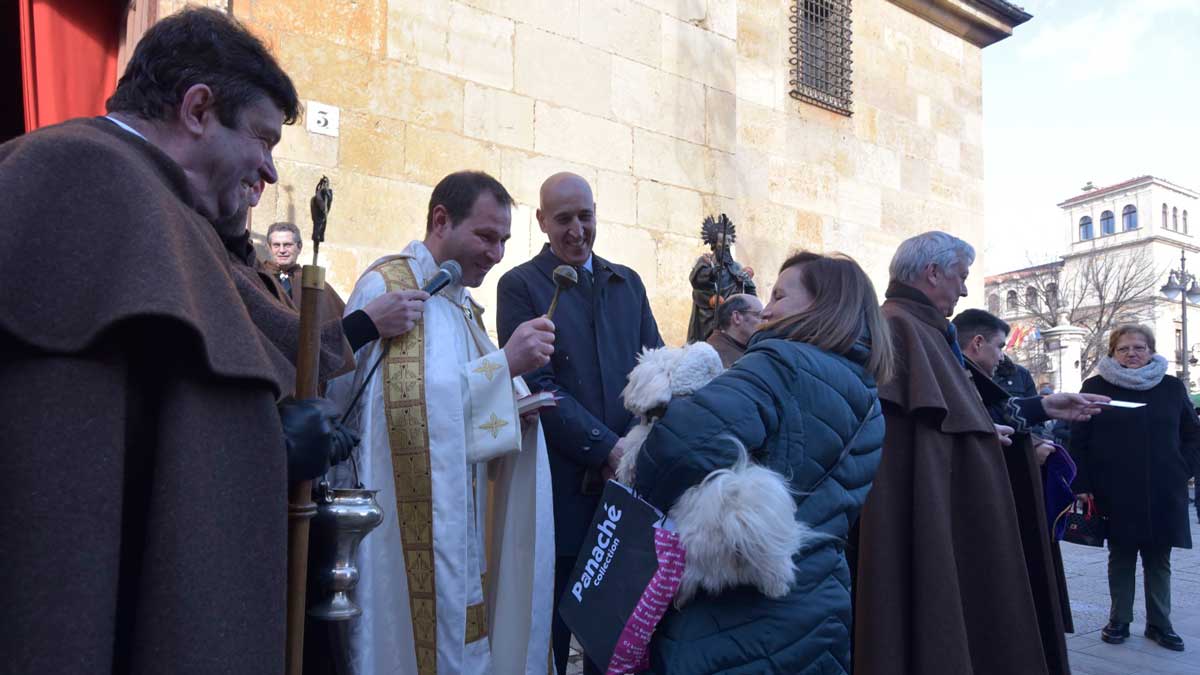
(458, 577)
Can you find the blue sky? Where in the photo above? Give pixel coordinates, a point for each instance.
(1099, 90)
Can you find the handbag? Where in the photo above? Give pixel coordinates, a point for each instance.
(1085, 524)
(629, 569)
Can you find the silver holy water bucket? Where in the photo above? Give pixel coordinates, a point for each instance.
(344, 517)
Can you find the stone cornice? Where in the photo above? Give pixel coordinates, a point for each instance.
(980, 22)
(1023, 273)
(1148, 240)
(1125, 186)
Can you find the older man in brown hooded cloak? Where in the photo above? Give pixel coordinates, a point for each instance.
(941, 582)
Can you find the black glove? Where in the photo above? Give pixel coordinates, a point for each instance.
(343, 441)
(314, 437)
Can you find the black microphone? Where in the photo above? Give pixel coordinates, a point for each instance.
(449, 273)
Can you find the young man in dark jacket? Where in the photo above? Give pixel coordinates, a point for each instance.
(981, 337)
(1014, 378)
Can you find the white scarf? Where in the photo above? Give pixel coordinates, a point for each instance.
(1137, 379)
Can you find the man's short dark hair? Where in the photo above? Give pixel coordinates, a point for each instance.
(284, 226)
(457, 194)
(201, 46)
(972, 322)
(726, 310)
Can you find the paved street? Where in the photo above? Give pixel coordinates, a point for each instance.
(1087, 579)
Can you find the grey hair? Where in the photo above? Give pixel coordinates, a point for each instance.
(929, 248)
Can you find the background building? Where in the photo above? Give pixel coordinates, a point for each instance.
(1119, 244)
(828, 124)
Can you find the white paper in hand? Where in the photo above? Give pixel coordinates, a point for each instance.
(1121, 404)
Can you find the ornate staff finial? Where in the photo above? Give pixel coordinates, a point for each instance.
(320, 204)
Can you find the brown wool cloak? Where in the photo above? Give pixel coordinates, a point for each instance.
(1043, 562)
(727, 348)
(145, 518)
(279, 319)
(941, 580)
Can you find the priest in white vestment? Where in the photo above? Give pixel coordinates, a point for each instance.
(458, 577)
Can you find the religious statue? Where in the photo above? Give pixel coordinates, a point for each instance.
(716, 276)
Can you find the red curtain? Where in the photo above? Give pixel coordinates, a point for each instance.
(68, 58)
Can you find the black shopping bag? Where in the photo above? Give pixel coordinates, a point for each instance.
(1085, 525)
(627, 573)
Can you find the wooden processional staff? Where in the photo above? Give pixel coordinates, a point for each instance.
(301, 508)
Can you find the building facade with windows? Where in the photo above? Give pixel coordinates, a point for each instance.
(1140, 205)
(1119, 244)
(825, 124)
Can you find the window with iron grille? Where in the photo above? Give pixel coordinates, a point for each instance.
(822, 59)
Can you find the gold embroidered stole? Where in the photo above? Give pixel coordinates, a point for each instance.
(408, 438)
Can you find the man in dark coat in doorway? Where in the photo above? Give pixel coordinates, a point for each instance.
(601, 325)
(941, 581)
(285, 245)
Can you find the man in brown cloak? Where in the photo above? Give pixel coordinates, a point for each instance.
(737, 318)
(981, 337)
(145, 521)
(274, 308)
(941, 580)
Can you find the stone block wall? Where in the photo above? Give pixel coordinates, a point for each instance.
(673, 109)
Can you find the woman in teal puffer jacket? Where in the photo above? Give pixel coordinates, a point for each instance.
(803, 402)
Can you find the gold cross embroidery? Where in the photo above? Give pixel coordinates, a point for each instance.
(488, 369)
(494, 425)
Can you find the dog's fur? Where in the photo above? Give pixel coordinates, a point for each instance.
(738, 526)
(660, 375)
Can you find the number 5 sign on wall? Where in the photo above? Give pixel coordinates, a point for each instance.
(321, 118)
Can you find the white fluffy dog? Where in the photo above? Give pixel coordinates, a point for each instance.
(738, 525)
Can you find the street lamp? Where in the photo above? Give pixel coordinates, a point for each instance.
(1181, 284)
